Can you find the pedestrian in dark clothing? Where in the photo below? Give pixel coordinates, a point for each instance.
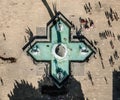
(89, 5)
(99, 4)
(110, 33)
(91, 23)
(95, 42)
(107, 14)
(111, 16)
(86, 21)
(100, 53)
(117, 15)
(1, 81)
(111, 11)
(86, 26)
(113, 36)
(4, 36)
(102, 64)
(85, 9)
(109, 23)
(111, 44)
(90, 77)
(118, 37)
(111, 61)
(116, 55)
(106, 80)
(25, 38)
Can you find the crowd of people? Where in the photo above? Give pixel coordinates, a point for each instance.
(106, 34)
(86, 23)
(111, 16)
(115, 56)
(88, 7)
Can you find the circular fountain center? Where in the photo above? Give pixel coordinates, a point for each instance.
(59, 51)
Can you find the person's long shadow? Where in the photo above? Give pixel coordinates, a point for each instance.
(30, 33)
(45, 91)
(116, 85)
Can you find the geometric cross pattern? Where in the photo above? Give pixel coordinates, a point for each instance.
(60, 51)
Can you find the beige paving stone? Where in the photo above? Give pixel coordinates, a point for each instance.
(17, 15)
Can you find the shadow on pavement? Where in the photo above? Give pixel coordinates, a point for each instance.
(26, 91)
(46, 90)
(116, 85)
(48, 8)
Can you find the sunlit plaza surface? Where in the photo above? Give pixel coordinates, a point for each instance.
(23, 77)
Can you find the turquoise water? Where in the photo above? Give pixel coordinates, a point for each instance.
(63, 65)
(64, 34)
(45, 51)
(75, 51)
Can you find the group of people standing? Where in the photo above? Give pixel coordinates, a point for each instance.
(111, 16)
(86, 23)
(115, 56)
(88, 7)
(106, 34)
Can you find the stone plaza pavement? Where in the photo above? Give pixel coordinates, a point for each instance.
(16, 16)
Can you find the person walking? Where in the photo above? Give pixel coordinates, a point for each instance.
(99, 4)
